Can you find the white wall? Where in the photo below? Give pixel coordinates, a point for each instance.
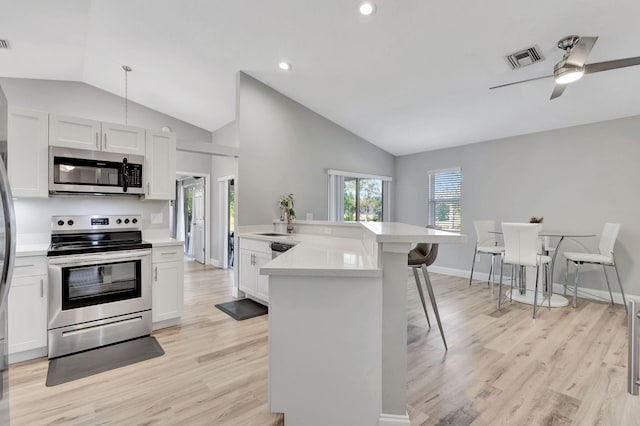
(578, 178)
(285, 148)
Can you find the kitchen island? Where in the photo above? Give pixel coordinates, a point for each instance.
(337, 323)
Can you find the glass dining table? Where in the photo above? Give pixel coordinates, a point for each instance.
(525, 294)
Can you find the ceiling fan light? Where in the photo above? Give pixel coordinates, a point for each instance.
(569, 76)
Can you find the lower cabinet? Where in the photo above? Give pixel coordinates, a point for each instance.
(27, 309)
(254, 254)
(167, 292)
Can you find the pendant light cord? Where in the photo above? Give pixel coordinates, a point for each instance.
(126, 69)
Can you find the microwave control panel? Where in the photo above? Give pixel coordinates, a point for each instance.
(135, 175)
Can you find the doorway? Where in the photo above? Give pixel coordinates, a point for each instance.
(189, 215)
(226, 225)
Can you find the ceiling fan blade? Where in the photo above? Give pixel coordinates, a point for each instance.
(611, 65)
(579, 53)
(521, 81)
(557, 91)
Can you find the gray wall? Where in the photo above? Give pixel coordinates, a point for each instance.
(578, 178)
(285, 147)
(221, 167)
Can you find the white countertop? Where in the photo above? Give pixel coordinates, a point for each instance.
(317, 255)
(324, 256)
(393, 232)
(163, 242)
(39, 249)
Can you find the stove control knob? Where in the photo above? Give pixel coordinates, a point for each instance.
(126, 221)
(134, 220)
(70, 222)
(118, 221)
(60, 222)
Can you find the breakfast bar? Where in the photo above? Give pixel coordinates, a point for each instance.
(338, 326)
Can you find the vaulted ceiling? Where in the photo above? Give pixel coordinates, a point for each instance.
(412, 77)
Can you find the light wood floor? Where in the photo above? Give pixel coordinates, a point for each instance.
(566, 367)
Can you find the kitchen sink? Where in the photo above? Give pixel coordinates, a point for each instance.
(271, 234)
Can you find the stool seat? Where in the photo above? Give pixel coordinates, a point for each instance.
(490, 249)
(588, 258)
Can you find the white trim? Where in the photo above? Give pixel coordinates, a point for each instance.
(27, 355)
(393, 420)
(207, 208)
(229, 177)
(358, 175)
(215, 262)
(449, 170)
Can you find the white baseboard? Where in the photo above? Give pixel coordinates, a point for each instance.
(393, 420)
(27, 355)
(558, 288)
(215, 262)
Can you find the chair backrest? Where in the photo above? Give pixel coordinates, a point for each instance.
(429, 252)
(520, 243)
(484, 229)
(608, 238)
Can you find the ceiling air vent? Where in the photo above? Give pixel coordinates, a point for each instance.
(524, 57)
(4, 44)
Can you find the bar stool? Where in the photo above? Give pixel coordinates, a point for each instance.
(420, 257)
(486, 243)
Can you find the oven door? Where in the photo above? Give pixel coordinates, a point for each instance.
(92, 287)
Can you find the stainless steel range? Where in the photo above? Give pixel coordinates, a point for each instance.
(99, 282)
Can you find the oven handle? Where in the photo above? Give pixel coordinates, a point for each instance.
(99, 258)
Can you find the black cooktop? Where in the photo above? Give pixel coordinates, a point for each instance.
(96, 242)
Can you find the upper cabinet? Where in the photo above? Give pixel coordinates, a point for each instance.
(123, 139)
(27, 152)
(160, 165)
(80, 133)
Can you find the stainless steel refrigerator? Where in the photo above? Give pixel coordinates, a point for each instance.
(7, 256)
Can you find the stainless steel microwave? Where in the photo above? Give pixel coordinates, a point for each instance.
(74, 171)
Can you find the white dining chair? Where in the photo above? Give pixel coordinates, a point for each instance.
(521, 250)
(605, 257)
(486, 243)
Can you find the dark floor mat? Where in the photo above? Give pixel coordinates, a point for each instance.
(88, 363)
(243, 309)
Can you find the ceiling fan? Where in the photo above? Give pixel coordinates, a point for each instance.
(572, 66)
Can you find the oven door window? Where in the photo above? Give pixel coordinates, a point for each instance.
(102, 283)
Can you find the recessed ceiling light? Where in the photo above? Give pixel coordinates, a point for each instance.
(367, 8)
(284, 66)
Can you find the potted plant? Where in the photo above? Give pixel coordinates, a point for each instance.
(288, 214)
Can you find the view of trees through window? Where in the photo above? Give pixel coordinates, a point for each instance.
(445, 194)
(362, 200)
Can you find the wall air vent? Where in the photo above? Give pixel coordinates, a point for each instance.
(524, 57)
(4, 44)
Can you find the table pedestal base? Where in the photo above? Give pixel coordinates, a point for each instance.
(557, 301)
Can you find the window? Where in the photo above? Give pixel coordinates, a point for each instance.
(445, 199)
(358, 197)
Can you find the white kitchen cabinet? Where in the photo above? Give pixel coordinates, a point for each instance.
(123, 139)
(27, 312)
(80, 133)
(74, 132)
(253, 255)
(27, 152)
(160, 165)
(168, 285)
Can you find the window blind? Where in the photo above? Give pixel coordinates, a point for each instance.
(445, 199)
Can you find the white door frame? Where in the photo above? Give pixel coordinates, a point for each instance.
(223, 224)
(207, 211)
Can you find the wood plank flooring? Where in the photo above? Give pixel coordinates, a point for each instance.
(502, 368)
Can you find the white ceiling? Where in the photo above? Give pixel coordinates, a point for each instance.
(413, 77)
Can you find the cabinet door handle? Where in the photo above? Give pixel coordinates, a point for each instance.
(172, 252)
(105, 141)
(41, 288)
(148, 187)
(155, 278)
(97, 141)
(23, 266)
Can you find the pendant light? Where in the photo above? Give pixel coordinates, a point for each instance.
(127, 69)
